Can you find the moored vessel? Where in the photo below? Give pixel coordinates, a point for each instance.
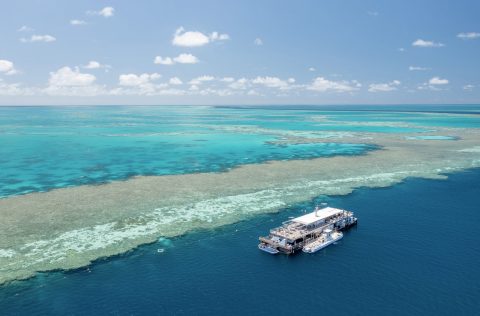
(267, 248)
(327, 238)
(313, 230)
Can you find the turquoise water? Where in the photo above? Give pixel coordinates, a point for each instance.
(409, 255)
(45, 148)
(53, 147)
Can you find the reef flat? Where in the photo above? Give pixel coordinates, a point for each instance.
(69, 227)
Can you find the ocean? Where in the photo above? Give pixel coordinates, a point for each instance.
(229, 174)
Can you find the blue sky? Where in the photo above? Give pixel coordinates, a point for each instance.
(239, 52)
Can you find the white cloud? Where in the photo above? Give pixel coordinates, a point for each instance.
(401, 49)
(195, 90)
(71, 81)
(215, 36)
(258, 41)
(134, 80)
(468, 35)
(7, 67)
(437, 81)
(423, 43)
(221, 92)
(159, 60)
(181, 59)
(190, 38)
(227, 79)
(39, 38)
(240, 84)
(433, 84)
(195, 38)
(323, 85)
(66, 76)
(146, 87)
(384, 87)
(199, 80)
(77, 22)
(76, 91)
(95, 65)
(25, 28)
(13, 89)
(63, 82)
(267, 82)
(271, 82)
(416, 68)
(170, 92)
(92, 65)
(372, 13)
(106, 12)
(175, 81)
(186, 59)
(311, 69)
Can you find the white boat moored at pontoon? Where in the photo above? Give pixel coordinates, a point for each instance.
(327, 238)
(267, 248)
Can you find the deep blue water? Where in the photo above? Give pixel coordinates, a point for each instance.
(415, 252)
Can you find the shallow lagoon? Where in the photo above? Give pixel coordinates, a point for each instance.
(53, 147)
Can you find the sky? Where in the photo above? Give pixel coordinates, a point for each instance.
(239, 52)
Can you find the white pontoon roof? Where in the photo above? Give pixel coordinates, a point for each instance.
(315, 216)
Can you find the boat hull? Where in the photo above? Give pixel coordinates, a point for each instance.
(318, 247)
(268, 249)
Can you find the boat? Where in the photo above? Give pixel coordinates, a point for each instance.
(267, 248)
(327, 238)
(296, 233)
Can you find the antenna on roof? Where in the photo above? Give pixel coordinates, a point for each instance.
(322, 206)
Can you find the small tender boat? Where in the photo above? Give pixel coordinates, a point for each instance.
(327, 238)
(268, 248)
